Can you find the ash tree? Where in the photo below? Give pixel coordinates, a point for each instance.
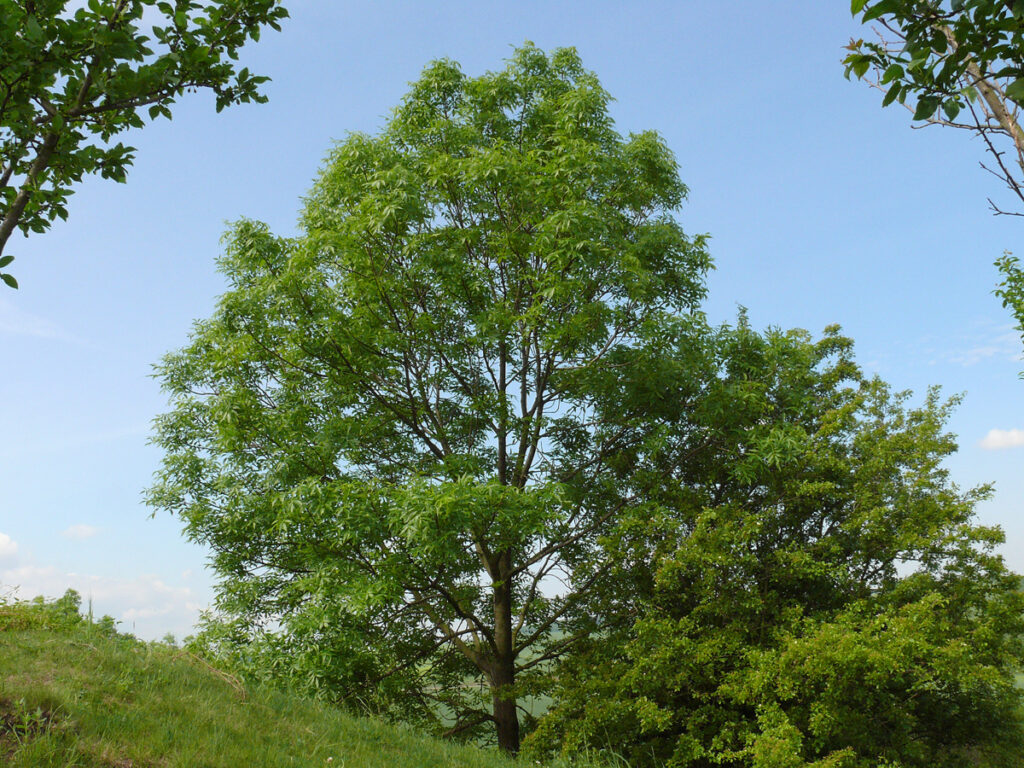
(388, 433)
(75, 75)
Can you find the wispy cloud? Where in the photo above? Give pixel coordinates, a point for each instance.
(42, 445)
(984, 342)
(80, 531)
(999, 439)
(17, 322)
(1005, 345)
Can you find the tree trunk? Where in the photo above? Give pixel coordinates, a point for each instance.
(506, 718)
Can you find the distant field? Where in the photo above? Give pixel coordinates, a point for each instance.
(79, 696)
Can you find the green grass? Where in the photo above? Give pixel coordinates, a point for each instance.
(77, 694)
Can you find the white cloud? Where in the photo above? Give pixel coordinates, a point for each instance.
(8, 548)
(80, 531)
(998, 439)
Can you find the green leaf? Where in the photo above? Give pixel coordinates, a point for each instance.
(33, 32)
(9, 279)
(1015, 90)
(926, 107)
(952, 108)
(5, 260)
(856, 6)
(880, 9)
(892, 94)
(891, 73)
(859, 63)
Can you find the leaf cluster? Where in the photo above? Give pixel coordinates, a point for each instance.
(73, 78)
(940, 42)
(1011, 289)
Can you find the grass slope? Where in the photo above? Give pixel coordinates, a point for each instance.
(73, 693)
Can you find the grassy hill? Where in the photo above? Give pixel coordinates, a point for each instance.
(75, 693)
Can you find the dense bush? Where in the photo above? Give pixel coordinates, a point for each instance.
(807, 587)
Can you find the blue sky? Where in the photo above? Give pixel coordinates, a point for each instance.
(822, 208)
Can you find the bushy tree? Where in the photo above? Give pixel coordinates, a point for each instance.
(387, 432)
(807, 586)
(74, 75)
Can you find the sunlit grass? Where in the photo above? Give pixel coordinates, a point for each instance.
(75, 694)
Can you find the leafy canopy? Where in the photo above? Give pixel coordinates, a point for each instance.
(73, 76)
(388, 432)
